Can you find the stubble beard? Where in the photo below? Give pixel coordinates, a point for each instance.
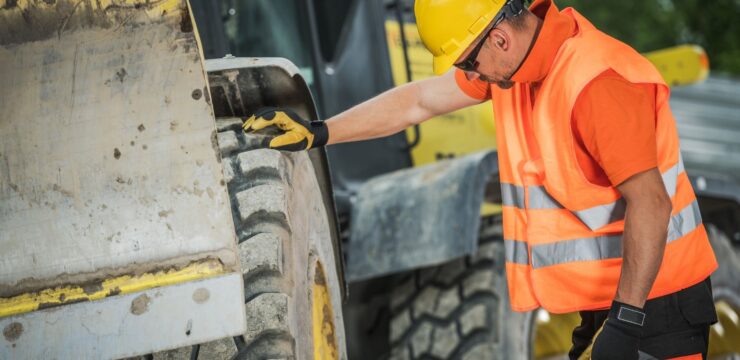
(504, 84)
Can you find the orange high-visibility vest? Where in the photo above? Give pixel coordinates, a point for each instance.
(562, 233)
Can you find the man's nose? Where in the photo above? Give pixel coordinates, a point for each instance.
(471, 75)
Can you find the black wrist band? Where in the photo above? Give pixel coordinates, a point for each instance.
(627, 313)
(320, 132)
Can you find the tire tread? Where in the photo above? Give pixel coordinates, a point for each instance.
(428, 322)
(259, 191)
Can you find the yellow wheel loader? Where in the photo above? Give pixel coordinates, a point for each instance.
(418, 211)
(138, 220)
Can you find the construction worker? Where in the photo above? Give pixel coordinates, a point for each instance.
(599, 214)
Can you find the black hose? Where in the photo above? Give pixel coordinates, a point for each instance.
(398, 4)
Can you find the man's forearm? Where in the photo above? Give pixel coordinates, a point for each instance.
(644, 242)
(399, 108)
(386, 114)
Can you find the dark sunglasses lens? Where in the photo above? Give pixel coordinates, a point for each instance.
(467, 65)
(470, 63)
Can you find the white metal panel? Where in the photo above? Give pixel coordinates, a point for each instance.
(128, 325)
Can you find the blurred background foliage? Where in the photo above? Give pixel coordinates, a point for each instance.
(654, 24)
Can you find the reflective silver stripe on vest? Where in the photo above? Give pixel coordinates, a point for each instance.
(670, 176)
(688, 219)
(608, 246)
(588, 249)
(512, 195)
(540, 199)
(602, 215)
(516, 252)
(595, 217)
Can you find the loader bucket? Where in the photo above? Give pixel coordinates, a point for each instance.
(109, 166)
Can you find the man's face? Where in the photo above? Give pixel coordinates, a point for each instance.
(494, 61)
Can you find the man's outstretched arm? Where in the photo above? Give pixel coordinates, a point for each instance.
(399, 108)
(385, 114)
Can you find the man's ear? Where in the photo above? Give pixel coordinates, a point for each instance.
(499, 39)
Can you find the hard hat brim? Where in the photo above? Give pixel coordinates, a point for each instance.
(443, 63)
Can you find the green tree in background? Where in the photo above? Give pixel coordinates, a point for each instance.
(654, 24)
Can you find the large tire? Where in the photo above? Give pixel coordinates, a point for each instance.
(460, 310)
(283, 233)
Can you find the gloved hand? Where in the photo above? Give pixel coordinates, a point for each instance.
(619, 337)
(299, 134)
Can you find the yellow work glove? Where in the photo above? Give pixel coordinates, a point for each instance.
(298, 134)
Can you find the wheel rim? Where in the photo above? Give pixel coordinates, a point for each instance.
(724, 334)
(324, 338)
(552, 334)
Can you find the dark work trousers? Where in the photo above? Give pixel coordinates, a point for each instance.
(675, 325)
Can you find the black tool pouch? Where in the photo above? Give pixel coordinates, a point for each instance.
(697, 305)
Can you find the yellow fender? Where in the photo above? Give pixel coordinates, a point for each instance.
(681, 65)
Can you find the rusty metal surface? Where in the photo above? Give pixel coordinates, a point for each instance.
(23, 21)
(108, 160)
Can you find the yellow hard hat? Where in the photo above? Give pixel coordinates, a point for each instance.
(448, 27)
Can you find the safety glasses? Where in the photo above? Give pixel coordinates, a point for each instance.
(470, 63)
(511, 9)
